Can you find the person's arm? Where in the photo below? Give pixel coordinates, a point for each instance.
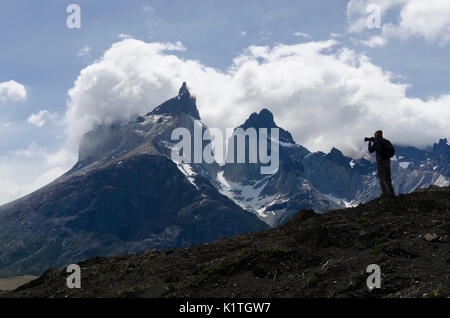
(372, 146)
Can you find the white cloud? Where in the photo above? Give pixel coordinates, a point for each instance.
(243, 33)
(375, 41)
(41, 117)
(335, 35)
(303, 35)
(428, 19)
(124, 36)
(12, 91)
(123, 83)
(25, 170)
(324, 95)
(85, 51)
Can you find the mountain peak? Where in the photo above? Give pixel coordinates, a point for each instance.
(337, 156)
(183, 90)
(441, 150)
(265, 119)
(183, 103)
(262, 120)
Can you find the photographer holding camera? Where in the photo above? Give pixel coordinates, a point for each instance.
(385, 151)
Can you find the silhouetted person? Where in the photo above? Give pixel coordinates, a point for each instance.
(385, 151)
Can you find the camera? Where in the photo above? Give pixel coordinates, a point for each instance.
(372, 139)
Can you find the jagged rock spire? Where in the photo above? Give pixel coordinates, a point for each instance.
(183, 103)
(183, 90)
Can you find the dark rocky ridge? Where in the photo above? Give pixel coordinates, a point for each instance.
(311, 255)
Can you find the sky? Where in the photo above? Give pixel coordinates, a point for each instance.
(332, 72)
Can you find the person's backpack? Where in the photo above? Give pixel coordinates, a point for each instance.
(386, 150)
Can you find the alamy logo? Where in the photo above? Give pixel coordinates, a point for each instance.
(239, 146)
(374, 19)
(74, 19)
(374, 279)
(74, 279)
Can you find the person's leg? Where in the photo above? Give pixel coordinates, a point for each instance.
(388, 179)
(381, 176)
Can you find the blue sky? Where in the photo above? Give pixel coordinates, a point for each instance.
(42, 54)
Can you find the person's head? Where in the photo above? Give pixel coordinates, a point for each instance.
(378, 134)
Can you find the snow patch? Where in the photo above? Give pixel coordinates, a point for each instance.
(340, 201)
(249, 196)
(442, 181)
(152, 119)
(287, 144)
(186, 169)
(404, 164)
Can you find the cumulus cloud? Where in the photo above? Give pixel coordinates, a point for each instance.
(324, 94)
(131, 78)
(41, 117)
(12, 91)
(426, 19)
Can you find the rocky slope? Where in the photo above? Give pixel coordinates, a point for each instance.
(311, 255)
